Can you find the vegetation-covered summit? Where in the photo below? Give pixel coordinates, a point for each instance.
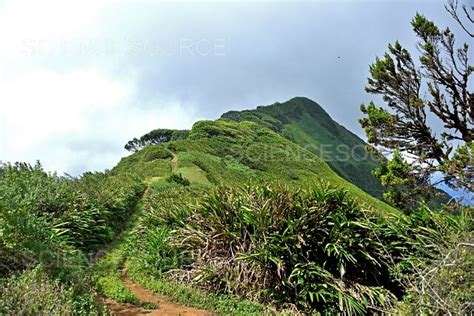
(227, 151)
(305, 123)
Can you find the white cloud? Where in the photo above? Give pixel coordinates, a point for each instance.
(67, 110)
(58, 118)
(73, 118)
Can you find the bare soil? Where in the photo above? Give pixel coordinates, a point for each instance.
(164, 305)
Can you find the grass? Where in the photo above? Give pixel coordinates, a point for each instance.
(107, 269)
(108, 279)
(126, 252)
(186, 295)
(225, 152)
(305, 123)
(194, 174)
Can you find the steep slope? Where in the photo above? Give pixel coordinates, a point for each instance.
(305, 123)
(229, 152)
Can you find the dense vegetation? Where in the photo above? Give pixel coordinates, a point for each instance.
(305, 123)
(234, 219)
(157, 136)
(225, 151)
(312, 249)
(50, 228)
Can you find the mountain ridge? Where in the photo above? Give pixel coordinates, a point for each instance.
(232, 152)
(305, 122)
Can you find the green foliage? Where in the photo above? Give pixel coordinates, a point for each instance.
(424, 28)
(312, 248)
(463, 159)
(395, 175)
(293, 247)
(147, 256)
(54, 223)
(438, 87)
(377, 121)
(444, 285)
(238, 249)
(33, 293)
(157, 136)
(157, 152)
(112, 286)
(253, 153)
(305, 123)
(178, 178)
(165, 208)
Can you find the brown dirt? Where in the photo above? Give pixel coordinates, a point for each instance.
(174, 163)
(164, 305)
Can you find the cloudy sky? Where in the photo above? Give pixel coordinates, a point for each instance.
(79, 79)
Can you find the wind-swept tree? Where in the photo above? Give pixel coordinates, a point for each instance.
(157, 136)
(419, 95)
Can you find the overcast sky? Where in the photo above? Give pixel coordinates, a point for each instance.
(79, 79)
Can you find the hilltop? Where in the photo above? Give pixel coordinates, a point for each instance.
(253, 146)
(307, 124)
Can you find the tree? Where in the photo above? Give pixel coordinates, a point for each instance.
(157, 136)
(417, 94)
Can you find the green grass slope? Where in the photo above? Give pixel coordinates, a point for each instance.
(305, 123)
(230, 152)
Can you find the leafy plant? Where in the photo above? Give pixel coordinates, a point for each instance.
(48, 227)
(178, 178)
(316, 249)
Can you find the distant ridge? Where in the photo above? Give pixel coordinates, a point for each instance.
(307, 124)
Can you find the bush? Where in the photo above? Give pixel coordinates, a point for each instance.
(156, 152)
(30, 294)
(307, 248)
(34, 293)
(51, 224)
(443, 285)
(316, 248)
(179, 179)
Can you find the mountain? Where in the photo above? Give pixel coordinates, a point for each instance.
(232, 151)
(237, 216)
(305, 123)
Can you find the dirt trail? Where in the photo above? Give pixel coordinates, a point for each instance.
(164, 305)
(174, 163)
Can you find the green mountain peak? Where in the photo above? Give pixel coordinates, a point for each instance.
(306, 123)
(294, 142)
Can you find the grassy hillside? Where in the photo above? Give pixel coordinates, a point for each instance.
(304, 122)
(235, 219)
(230, 152)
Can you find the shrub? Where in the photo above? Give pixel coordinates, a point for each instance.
(34, 293)
(156, 152)
(31, 294)
(307, 248)
(316, 249)
(443, 285)
(50, 224)
(178, 178)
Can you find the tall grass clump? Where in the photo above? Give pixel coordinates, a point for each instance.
(440, 279)
(314, 249)
(49, 228)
